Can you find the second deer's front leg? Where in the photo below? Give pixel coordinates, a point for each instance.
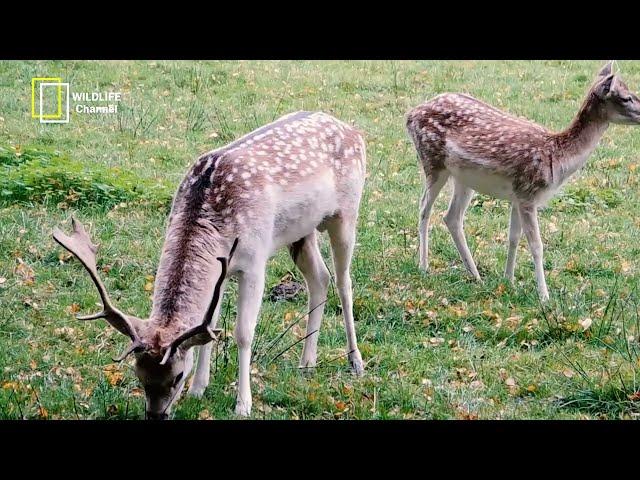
(250, 290)
(432, 186)
(529, 219)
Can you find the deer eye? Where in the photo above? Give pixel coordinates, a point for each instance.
(178, 378)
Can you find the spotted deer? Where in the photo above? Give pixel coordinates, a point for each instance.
(487, 150)
(239, 204)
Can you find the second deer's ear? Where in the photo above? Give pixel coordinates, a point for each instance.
(603, 86)
(607, 69)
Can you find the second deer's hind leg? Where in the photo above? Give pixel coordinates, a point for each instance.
(432, 186)
(307, 257)
(454, 219)
(342, 233)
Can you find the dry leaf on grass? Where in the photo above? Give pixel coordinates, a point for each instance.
(114, 376)
(585, 323)
(72, 309)
(25, 274)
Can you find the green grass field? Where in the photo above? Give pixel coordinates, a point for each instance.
(436, 346)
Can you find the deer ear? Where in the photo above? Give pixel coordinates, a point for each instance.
(603, 86)
(607, 69)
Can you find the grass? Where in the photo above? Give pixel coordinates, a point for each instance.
(435, 346)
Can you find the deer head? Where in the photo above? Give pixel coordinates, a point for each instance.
(620, 104)
(162, 369)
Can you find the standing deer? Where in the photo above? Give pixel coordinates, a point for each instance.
(497, 154)
(235, 208)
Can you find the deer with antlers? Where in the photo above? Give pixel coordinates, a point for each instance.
(274, 187)
(487, 150)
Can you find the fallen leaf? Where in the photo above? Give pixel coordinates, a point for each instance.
(585, 324)
(114, 376)
(341, 406)
(43, 412)
(634, 397)
(25, 273)
(73, 308)
(476, 385)
(148, 287)
(568, 373)
(510, 382)
(205, 415)
(137, 392)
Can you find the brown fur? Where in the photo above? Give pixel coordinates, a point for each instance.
(224, 193)
(487, 138)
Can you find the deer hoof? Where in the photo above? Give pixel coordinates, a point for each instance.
(357, 366)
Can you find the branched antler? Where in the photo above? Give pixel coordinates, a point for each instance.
(80, 245)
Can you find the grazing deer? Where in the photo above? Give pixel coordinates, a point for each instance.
(490, 151)
(237, 205)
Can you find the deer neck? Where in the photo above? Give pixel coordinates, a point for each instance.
(186, 277)
(576, 143)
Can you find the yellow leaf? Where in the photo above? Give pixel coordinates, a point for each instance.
(114, 376)
(148, 287)
(288, 316)
(204, 415)
(43, 412)
(73, 308)
(137, 392)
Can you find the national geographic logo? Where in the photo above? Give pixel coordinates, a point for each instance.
(50, 101)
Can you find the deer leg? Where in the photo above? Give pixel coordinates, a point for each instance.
(342, 235)
(250, 290)
(307, 257)
(454, 219)
(529, 219)
(515, 233)
(201, 375)
(433, 184)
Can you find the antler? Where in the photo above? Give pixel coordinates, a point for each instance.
(80, 245)
(203, 333)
